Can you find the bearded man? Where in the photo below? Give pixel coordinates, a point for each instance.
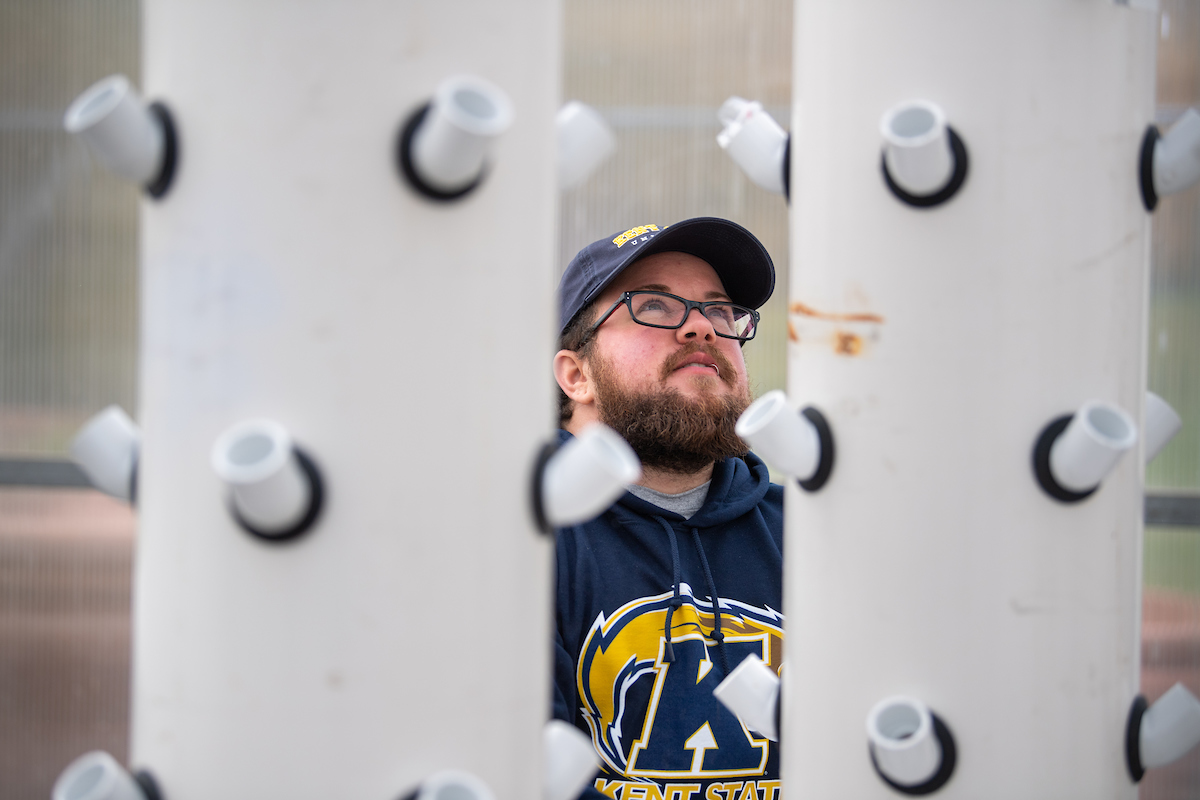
(667, 591)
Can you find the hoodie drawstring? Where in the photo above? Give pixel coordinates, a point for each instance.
(677, 599)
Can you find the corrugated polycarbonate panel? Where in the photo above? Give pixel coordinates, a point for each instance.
(1171, 592)
(68, 246)
(658, 72)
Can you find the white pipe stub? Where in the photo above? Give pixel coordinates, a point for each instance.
(444, 145)
(275, 489)
(911, 749)
(751, 692)
(1075, 452)
(577, 481)
(584, 140)
(799, 444)
(132, 139)
(1162, 424)
(756, 143)
(451, 784)
(106, 449)
(568, 761)
(1170, 162)
(1162, 733)
(924, 161)
(98, 776)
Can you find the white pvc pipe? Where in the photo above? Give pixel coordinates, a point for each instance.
(452, 784)
(1170, 727)
(106, 449)
(917, 147)
(118, 128)
(751, 692)
(451, 145)
(95, 776)
(257, 460)
(1091, 445)
(1177, 155)
(901, 737)
(584, 142)
(781, 435)
(587, 475)
(568, 761)
(754, 140)
(1162, 423)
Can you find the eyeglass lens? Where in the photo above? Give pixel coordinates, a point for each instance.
(654, 308)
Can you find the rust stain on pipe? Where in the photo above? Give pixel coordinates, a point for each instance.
(809, 311)
(846, 343)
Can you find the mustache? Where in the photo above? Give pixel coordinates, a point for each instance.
(725, 370)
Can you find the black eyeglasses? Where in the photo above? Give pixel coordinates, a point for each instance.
(662, 310)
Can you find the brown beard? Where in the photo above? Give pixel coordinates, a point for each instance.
(668, 431)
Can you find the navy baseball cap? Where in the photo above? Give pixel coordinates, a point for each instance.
(739, 259)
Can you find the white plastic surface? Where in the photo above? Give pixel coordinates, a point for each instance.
(257, 460)
(454, 784)
(1177, 155)
(1098, 435)
(754, 140)
(751, 692)
(451, 146)
(95, 776)
(118, 128)
(901, 736)
(587, 475)
(568, 761)
(106, 449)
(917, 147)
(781, 435)
(1162, 424)
(1170, 727)
(585, 141)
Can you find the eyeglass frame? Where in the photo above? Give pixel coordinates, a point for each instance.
(626, 299)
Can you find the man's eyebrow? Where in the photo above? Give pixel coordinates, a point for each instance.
(658, 287)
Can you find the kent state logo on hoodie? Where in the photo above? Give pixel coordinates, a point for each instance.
(685, 734)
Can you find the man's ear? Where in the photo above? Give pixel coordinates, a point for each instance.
(573, 378)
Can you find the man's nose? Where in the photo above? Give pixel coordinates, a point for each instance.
(696, 326)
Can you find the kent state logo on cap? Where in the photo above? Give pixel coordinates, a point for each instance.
(739, 259)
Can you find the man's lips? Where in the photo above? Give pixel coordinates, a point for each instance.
(700, 362)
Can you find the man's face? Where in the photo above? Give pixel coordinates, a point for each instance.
(674, 395)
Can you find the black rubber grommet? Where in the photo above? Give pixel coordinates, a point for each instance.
(1133, 738)
(316, 499)
(959, 152)
(1041, 462)
(170, 158)
(404, 160)
(825, 438)
(536, 500)
(787, 169)
(133, 481)
(147, 784)
(1146, 168)
(945, 768)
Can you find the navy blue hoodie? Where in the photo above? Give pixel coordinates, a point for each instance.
(640, 647)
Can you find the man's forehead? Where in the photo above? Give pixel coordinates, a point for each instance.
(670, 271)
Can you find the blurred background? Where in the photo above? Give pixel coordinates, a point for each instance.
(69, 325)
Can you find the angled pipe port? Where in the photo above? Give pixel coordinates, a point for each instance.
(1170, 162)
(1162, 424)
(1075, 452)
(577, 481)
(751, 692)
(451, 784)
(911, 749)
(924, 161)
(568, 761)
(444, 145)
(106, 448)
(799, 444)
(1163, 733)
(98, 776)
(132, 139)
(756, 143)
(585, 141)
(275, 489)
